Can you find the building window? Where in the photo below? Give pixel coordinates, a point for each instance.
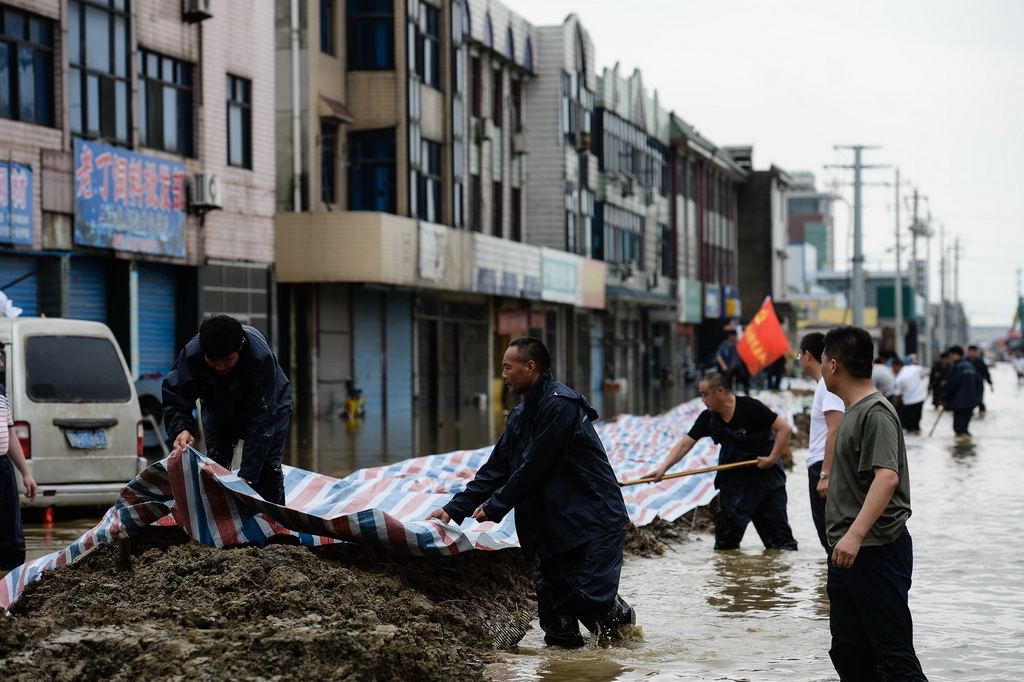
(371, 35)
(26, 67)
(665, 265)
(499, 209)
(498, 99)
(328, 163)
(476, 205)
(428, 48)
(165, 103)
(327, 26)
(618, 236)
(372, 176)
(429, 204)
(100, 84)
(517, 214)
(239, 122)
(476, 86)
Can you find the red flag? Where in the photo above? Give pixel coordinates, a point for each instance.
(763, 340)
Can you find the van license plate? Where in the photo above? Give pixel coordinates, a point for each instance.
(93, 438)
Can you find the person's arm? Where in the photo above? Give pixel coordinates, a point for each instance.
(879, 494)
(543, 454)
(489, 477)
(721, 362)
(261, 410)
(179, 393)
(783, 432)
(17, 457)
(678, 451)
(832, 419)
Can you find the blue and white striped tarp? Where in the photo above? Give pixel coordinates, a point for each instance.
(381, 506)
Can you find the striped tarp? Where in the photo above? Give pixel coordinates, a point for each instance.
(381, 506)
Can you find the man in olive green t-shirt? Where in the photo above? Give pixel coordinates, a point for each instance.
(872, 557)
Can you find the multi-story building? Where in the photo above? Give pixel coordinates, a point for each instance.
(632, 235)
(810, 218)
(405, 259)
(762, 231)
(137, 181)
(706, 182)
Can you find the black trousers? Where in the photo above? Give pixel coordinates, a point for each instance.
(910, 416)
(872, 630)
(12, 538)
(581, 584)
(817, 503)
(742, 500)
(961, 420)
(222, 438)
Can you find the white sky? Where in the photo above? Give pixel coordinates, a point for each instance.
(938, 85)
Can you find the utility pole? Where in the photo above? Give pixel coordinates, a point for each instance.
(959, 331)
(942, 287)
(920, 228)
(898, 288)
(857, 275)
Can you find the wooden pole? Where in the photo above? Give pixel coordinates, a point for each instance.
(720, 467)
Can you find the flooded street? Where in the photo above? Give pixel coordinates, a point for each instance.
(757, 615)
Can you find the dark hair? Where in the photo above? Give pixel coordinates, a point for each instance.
(532, 349)
(730, 332)
(956, 350)
(716, 380)
(815, 343)
(972, 347)
(944, 354)
(853, 348)
(220, 336)
(897, 360)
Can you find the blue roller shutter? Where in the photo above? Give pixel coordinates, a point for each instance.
(367, 343)
(25, 293)
(157, 313)
(87, 293)
(399, 374)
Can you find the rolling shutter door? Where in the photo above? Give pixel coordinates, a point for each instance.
(157, 348)
(399, 374)
(366, 345)
(25, 292)
(87, 293)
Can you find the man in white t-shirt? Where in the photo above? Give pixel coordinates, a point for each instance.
(826, 413)
(909, 394)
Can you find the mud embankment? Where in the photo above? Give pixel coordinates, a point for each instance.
(164, 608)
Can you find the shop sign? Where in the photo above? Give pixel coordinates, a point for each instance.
(128, 201)
(15, 203)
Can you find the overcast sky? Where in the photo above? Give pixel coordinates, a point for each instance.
(937, 85)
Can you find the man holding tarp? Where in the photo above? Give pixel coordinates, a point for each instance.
(551, 467)
(746, 430)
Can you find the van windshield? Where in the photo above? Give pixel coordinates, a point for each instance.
(74, 369)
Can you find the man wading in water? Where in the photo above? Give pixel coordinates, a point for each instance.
(550, 466)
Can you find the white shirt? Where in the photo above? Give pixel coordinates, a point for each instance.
(823, 402)
(909, 385)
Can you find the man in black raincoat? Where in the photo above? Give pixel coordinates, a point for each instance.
(245, 395)
(960, 394)
(551, 467)
(744, 429)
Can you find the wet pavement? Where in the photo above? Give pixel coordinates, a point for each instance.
(753, 614)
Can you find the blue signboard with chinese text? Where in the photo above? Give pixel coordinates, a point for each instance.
(15, 203)
(128, 201)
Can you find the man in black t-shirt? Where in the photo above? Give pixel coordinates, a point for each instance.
(745, 429)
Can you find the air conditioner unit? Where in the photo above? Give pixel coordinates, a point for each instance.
(484, 130)
(196, 10)
(582, 141)
(206, 191)
(518, 143)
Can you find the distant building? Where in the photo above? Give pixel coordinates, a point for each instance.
(810, 218)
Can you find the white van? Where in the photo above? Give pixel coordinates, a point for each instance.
(74, 407)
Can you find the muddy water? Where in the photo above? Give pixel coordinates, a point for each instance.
(757, 615)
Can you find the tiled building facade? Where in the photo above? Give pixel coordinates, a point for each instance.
(139, 139)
